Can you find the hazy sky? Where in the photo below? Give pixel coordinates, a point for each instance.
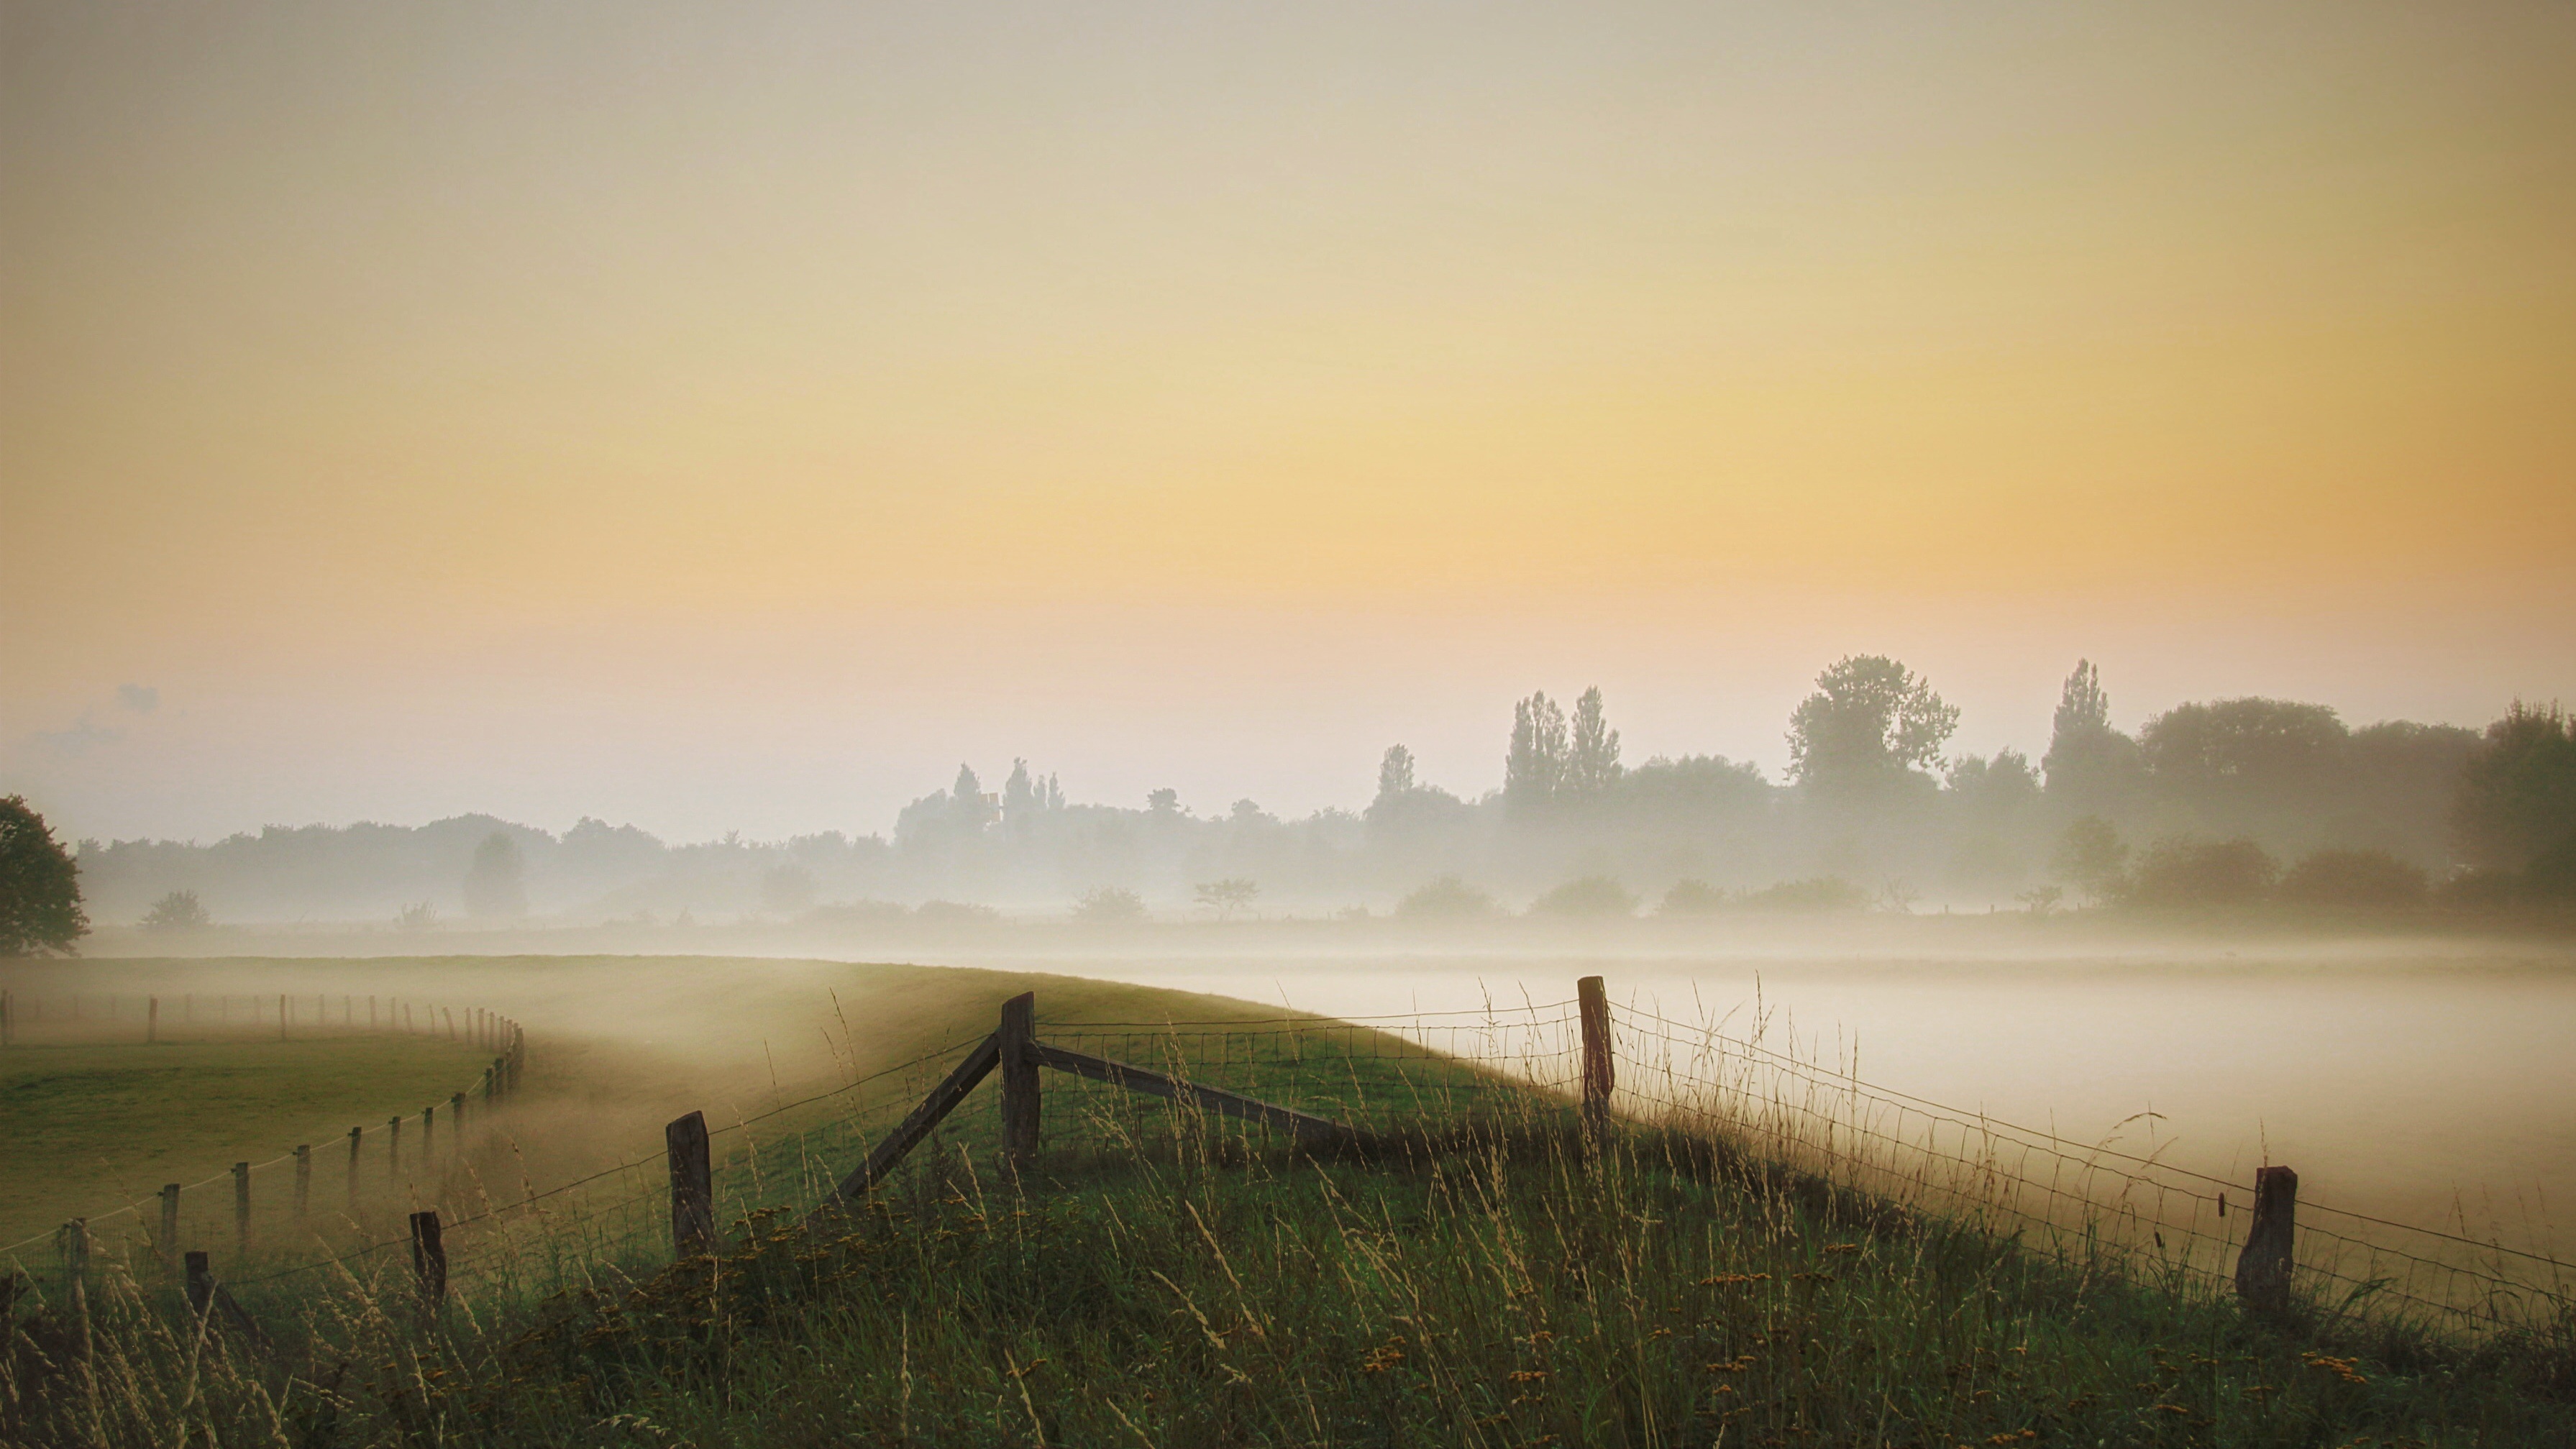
(732, 416)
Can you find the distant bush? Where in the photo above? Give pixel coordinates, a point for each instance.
(1824, 893)
(1692, 898)
(2203, 873)
(2355, 878)
(419, 916)
(1591, 895)
(178, 911)
(954, 912)
(856, 913)
(1108, 905)
(1447, 899)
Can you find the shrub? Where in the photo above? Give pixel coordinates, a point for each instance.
(2355, 878)
(2203, 873)
(1446, 899)
(178, 911)
(1109, 905)
(1591, 895)
(1824, 893)
(1692, 898)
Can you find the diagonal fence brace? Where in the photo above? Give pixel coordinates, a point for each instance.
(1305, 1127)
(943, 1099)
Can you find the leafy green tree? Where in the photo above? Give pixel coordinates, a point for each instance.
(40, 894)
(177, 911)
(2517, 793)
(2092, 857)
(1869, 730)
(496, 883)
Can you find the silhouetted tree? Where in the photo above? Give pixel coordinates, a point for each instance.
(1591, 895)
(2355, 878)
(496, 883)
(40, 894)
(1394, 774)
(2203, 873)
(1109, 905)
(2090, 767)
(2091, 857)
(1165, 803)
(1534, 768)
(1994, 790)
(2517, 797)
(177, 911)
(1227, 896)
(1868, 730)
(1592, 755)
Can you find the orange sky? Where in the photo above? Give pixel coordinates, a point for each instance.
(726, 416)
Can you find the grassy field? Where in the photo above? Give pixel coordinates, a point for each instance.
(91, 1127)
(1163, 1280)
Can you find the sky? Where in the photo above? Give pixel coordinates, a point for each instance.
(733, 417)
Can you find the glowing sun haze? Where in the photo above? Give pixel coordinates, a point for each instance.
(732, 416)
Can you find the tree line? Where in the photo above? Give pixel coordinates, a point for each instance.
(2211, 801)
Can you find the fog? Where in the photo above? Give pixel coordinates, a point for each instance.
(2421, 1078)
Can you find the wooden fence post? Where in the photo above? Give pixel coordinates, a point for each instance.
(74, 1242)
(429, 1264)
(487, 1081)
(355, 1133)
(393, 1150)
(241, 1207)
(693, 1202)
(152, 1021)
(303, 1179)
(2263, 1268)
(456, 1121)
(1598, 1074)
(429, 1136)
(201, 1285)
(170, 1222)
(1019, 1037)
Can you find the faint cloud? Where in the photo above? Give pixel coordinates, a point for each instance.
(84, 736)
(140, 698)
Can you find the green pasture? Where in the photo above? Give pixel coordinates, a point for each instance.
(92, 1127)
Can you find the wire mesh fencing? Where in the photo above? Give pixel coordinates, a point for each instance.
(346, 1222)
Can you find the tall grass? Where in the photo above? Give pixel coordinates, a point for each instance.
(1481, 1273)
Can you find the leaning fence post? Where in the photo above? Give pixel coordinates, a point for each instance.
(1594, 1003)
(241, 1207)
(2263, 1268)
(303, 1179)
(169, 1222)
(693, 1205)
(1018, 1038)
(429, 1263)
